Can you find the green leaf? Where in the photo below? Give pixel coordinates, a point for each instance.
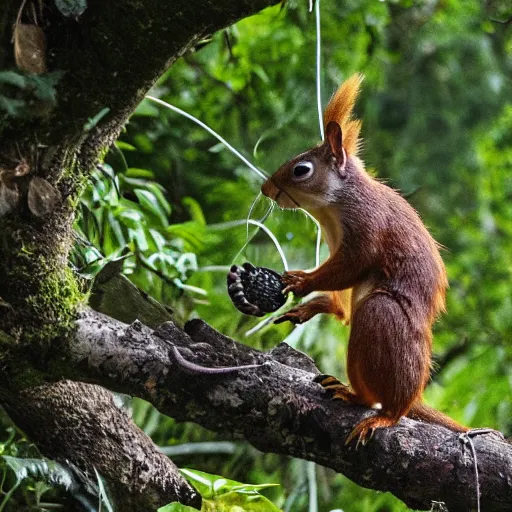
(103, 492)
(134, 172)
(12, 106)
(190, 232)
(225, 491)
(157, 190)
(12, 434)
(138, 235)
(13, 78)
(247, 501)
(195, 210)
(93, 121)
(150, 202)
(130, 217)
(124, 146)
(71, 8)
(176, 507)
(44, 85)
(189, 288)
(115, 226)
(50, 471)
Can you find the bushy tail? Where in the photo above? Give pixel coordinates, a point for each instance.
(420, 411)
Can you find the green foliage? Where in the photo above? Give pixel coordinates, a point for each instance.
(38, 468)
(176, 507)
(222, 495)
(26, 96)
(28, 478)
(29, 481)
(437, 121)
(126, 214)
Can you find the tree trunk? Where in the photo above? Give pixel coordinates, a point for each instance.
(103, 62)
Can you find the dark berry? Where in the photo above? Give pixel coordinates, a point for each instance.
(255, 290)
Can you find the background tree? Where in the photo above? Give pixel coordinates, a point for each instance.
(167, 208)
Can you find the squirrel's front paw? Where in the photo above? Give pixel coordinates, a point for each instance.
(297, 315)
(296, 281)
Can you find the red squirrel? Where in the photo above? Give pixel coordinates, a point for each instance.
(383, 253)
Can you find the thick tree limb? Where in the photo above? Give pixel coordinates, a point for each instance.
(86, 427)
(278, 408)
(112, 54)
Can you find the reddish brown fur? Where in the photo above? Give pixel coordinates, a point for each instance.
(382, 251)
(340, 109)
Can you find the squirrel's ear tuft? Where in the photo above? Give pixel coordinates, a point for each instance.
(340, 108)
(334, 138)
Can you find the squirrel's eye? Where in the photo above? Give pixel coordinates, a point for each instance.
(303, 169)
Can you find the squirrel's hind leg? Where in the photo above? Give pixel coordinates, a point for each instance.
(365, 429)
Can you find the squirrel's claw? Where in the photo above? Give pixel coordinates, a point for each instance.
(296, 281)
(287, 317)
(297, 315)
(362, 434)
(336, 389)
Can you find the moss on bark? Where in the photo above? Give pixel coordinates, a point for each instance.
(39, 287)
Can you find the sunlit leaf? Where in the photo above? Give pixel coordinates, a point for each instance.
(195, 210)
(210, 485)
(125, 146)
(176, 507)
(139, 173)
(138, 235)
(157, 190)
(190, 288)
(152, 204)
(130, 217)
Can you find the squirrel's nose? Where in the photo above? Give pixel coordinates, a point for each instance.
(270, 190)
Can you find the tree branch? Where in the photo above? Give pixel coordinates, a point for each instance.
(278, 408)
(72, 421)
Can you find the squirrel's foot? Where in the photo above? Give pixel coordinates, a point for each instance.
(296, 281)
(364, 430)
(304, 312)
(297, 315)
(337, 389)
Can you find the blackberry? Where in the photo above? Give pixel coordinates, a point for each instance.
(255, 290)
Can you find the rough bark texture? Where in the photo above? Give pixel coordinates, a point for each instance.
(86, 426)
(110, 56)
(278, 408)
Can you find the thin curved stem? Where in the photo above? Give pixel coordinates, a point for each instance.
(251, 166)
